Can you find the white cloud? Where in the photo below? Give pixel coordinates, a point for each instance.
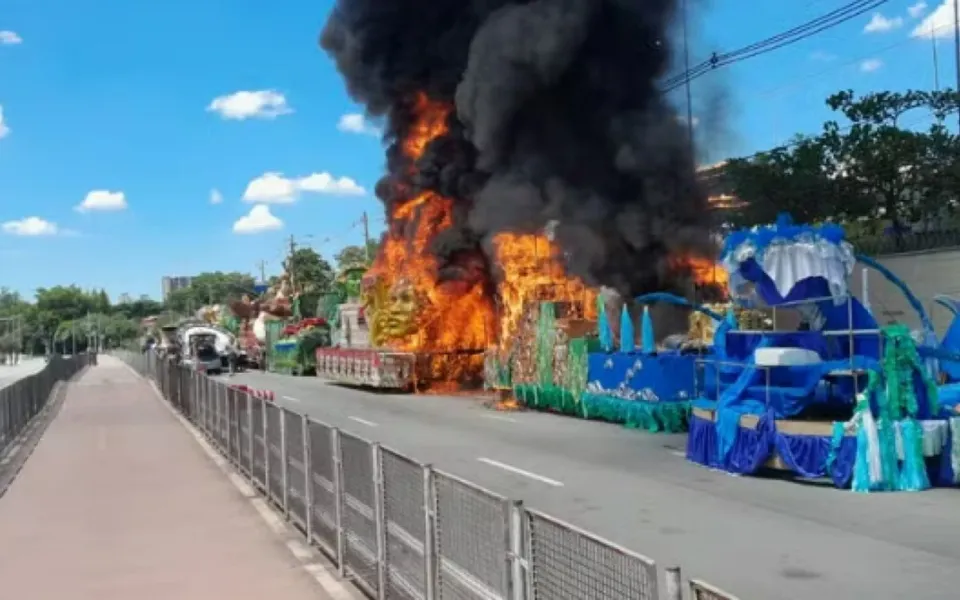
(258, 220)
(325, 183)
(917, 9)
(870, 65)
(821, 56)
(879, 24)
(939, 23)
(30, 226)
(274, 188)
(356, 123)
(682, 119)
(216, 197)
(103, 201)
(4, 130)
(10, 38)
(263, 104)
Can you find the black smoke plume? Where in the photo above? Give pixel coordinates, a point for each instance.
(556, 118)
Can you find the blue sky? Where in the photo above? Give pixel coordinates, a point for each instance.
(137, 137)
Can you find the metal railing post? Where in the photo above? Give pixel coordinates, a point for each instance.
(250, 435)
(338, 497)
(307, 477)
(674, 583)
(429, 535)
(379, 515)
(266, 449)
(517, 559)
(284, 468)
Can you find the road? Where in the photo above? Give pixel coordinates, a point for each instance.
(26, 366)
(761, 539)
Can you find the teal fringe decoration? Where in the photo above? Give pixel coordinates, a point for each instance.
(913, 475)
(861, 468)
(654, 417)
(838, 434)
(887, 433)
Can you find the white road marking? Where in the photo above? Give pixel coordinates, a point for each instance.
(501, 418)
(292, 399)
(518, 471)
(678, 453)
(363, 421)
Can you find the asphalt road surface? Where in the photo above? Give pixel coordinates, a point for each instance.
(761, 539)
(26, 366)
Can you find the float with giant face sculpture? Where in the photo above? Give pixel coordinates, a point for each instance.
(368, 318)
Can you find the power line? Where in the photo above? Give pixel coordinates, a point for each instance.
(840, 65)
(801, 32)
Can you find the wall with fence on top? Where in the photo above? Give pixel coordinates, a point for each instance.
(400, 529)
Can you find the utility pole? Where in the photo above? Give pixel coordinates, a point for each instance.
(366, 237)
(290, 267)
(956, 47)
(686, 69)
(936, 62)
(263, 271)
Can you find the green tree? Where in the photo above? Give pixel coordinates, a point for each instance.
(311, 273)
(872, 166)
(909, 174)
(797, 179)
(351, 256)
(210, 288)
(66, 302)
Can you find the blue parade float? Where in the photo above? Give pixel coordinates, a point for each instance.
(646, 387)
(832, 393)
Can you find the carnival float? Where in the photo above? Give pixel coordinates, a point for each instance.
(824, 390)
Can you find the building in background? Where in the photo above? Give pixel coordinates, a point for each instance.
(125, 298)
(169, 285)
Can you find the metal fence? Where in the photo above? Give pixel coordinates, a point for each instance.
(398, 528)
(27, 397)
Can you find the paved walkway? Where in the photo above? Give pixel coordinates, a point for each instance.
(118, 502)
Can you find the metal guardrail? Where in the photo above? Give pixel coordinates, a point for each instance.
(400, 529)
(27, 397)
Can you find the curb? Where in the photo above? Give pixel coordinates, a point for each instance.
(311, 560)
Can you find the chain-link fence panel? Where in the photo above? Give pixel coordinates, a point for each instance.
(324, 491)
(472, 539)
(296, 468)
(568, 563)
(259, 444)
(221, 394)
(235, 417)
(405, 517)
(209, 401)
(701, 590)
(243, 429)
(358, 509)
(275, 482)
(5, 425)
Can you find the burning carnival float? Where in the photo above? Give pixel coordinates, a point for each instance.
(519, 184)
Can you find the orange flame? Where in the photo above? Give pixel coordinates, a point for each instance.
(458, 317)
(533, 272)
(452, 316)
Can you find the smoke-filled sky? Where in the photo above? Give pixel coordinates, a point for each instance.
(80, 116)
(556, 115)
